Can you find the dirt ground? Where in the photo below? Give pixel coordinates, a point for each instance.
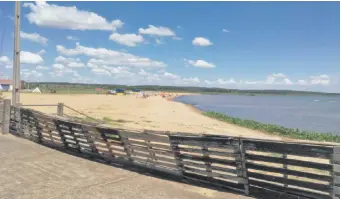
(152, 113)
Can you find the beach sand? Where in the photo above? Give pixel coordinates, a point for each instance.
(152, 113)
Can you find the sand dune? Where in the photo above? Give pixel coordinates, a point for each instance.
(153, 113)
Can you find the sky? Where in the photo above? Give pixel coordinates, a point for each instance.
(237, 45)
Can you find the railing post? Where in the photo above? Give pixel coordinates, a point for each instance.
(6, 114)
(60, 109)
(335, 161)
(285, 166)
(243, 166)
(176, 151)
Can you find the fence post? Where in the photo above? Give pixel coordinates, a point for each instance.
(60, 109)
(335, 161)
(285, 166)
(176, 151)
(6, 114)
(243, 166)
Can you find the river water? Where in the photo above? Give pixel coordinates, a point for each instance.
(311, 113)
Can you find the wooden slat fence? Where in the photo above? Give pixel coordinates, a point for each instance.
(253, 167)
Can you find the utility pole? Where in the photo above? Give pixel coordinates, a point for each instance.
(16, 57)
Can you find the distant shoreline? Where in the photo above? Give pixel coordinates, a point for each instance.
(270, 129)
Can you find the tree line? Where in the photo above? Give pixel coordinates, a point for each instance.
(47, 86)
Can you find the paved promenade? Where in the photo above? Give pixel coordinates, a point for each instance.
(29, 170)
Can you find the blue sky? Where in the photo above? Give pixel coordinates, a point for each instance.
(245, 45)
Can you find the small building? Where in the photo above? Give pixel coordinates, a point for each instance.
(136, 90)
(6, 84)
(119, 90)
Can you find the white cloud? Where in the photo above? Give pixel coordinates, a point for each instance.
(30, 58)
(126, 39)
(30, 73)
(6, 62)
(191, 80)
(252, 82)
(157, 31)
(73, 38)
(201, 63)
(176, 38)
(51, 15)
(208, 82)
(65, 60)
(118, 71)
(223, 82)
(58, 66)
(90, 65)
(321, 80)
(225, 30)
(103, 56)
(101, 71)
(34, 37)
(302, 82)
(201, 41)
(76, 65)
(170, 75)
(70, 62)
(271, 79)
(42, 67)
(42, 51)
(278, 75)
(287, 81)
(143, 72)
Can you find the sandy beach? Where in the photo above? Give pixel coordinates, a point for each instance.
(152, 113)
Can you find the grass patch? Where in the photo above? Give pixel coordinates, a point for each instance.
(107, 119)
(110, 121)
(275, 129)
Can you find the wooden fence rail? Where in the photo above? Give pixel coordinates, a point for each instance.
(252, 167)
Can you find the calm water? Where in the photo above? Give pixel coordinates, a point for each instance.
(312, 113)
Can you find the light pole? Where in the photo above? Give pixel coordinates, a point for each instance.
(16, 57)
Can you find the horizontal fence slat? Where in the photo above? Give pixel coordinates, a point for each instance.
(208, 159)
(156, 163)
(153, 145)
(228, 170)
(299, 183)
(141, 136)
(160, 152)
(213, 181)
(199, 141)
(288, 148)
(153, 157)
(211, 152)
(218, 175)
(289, 190)
(289, 162)
(260, 167)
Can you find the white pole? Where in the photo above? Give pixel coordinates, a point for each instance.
(16, 57)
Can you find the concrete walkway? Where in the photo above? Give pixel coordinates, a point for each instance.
(29, 170)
